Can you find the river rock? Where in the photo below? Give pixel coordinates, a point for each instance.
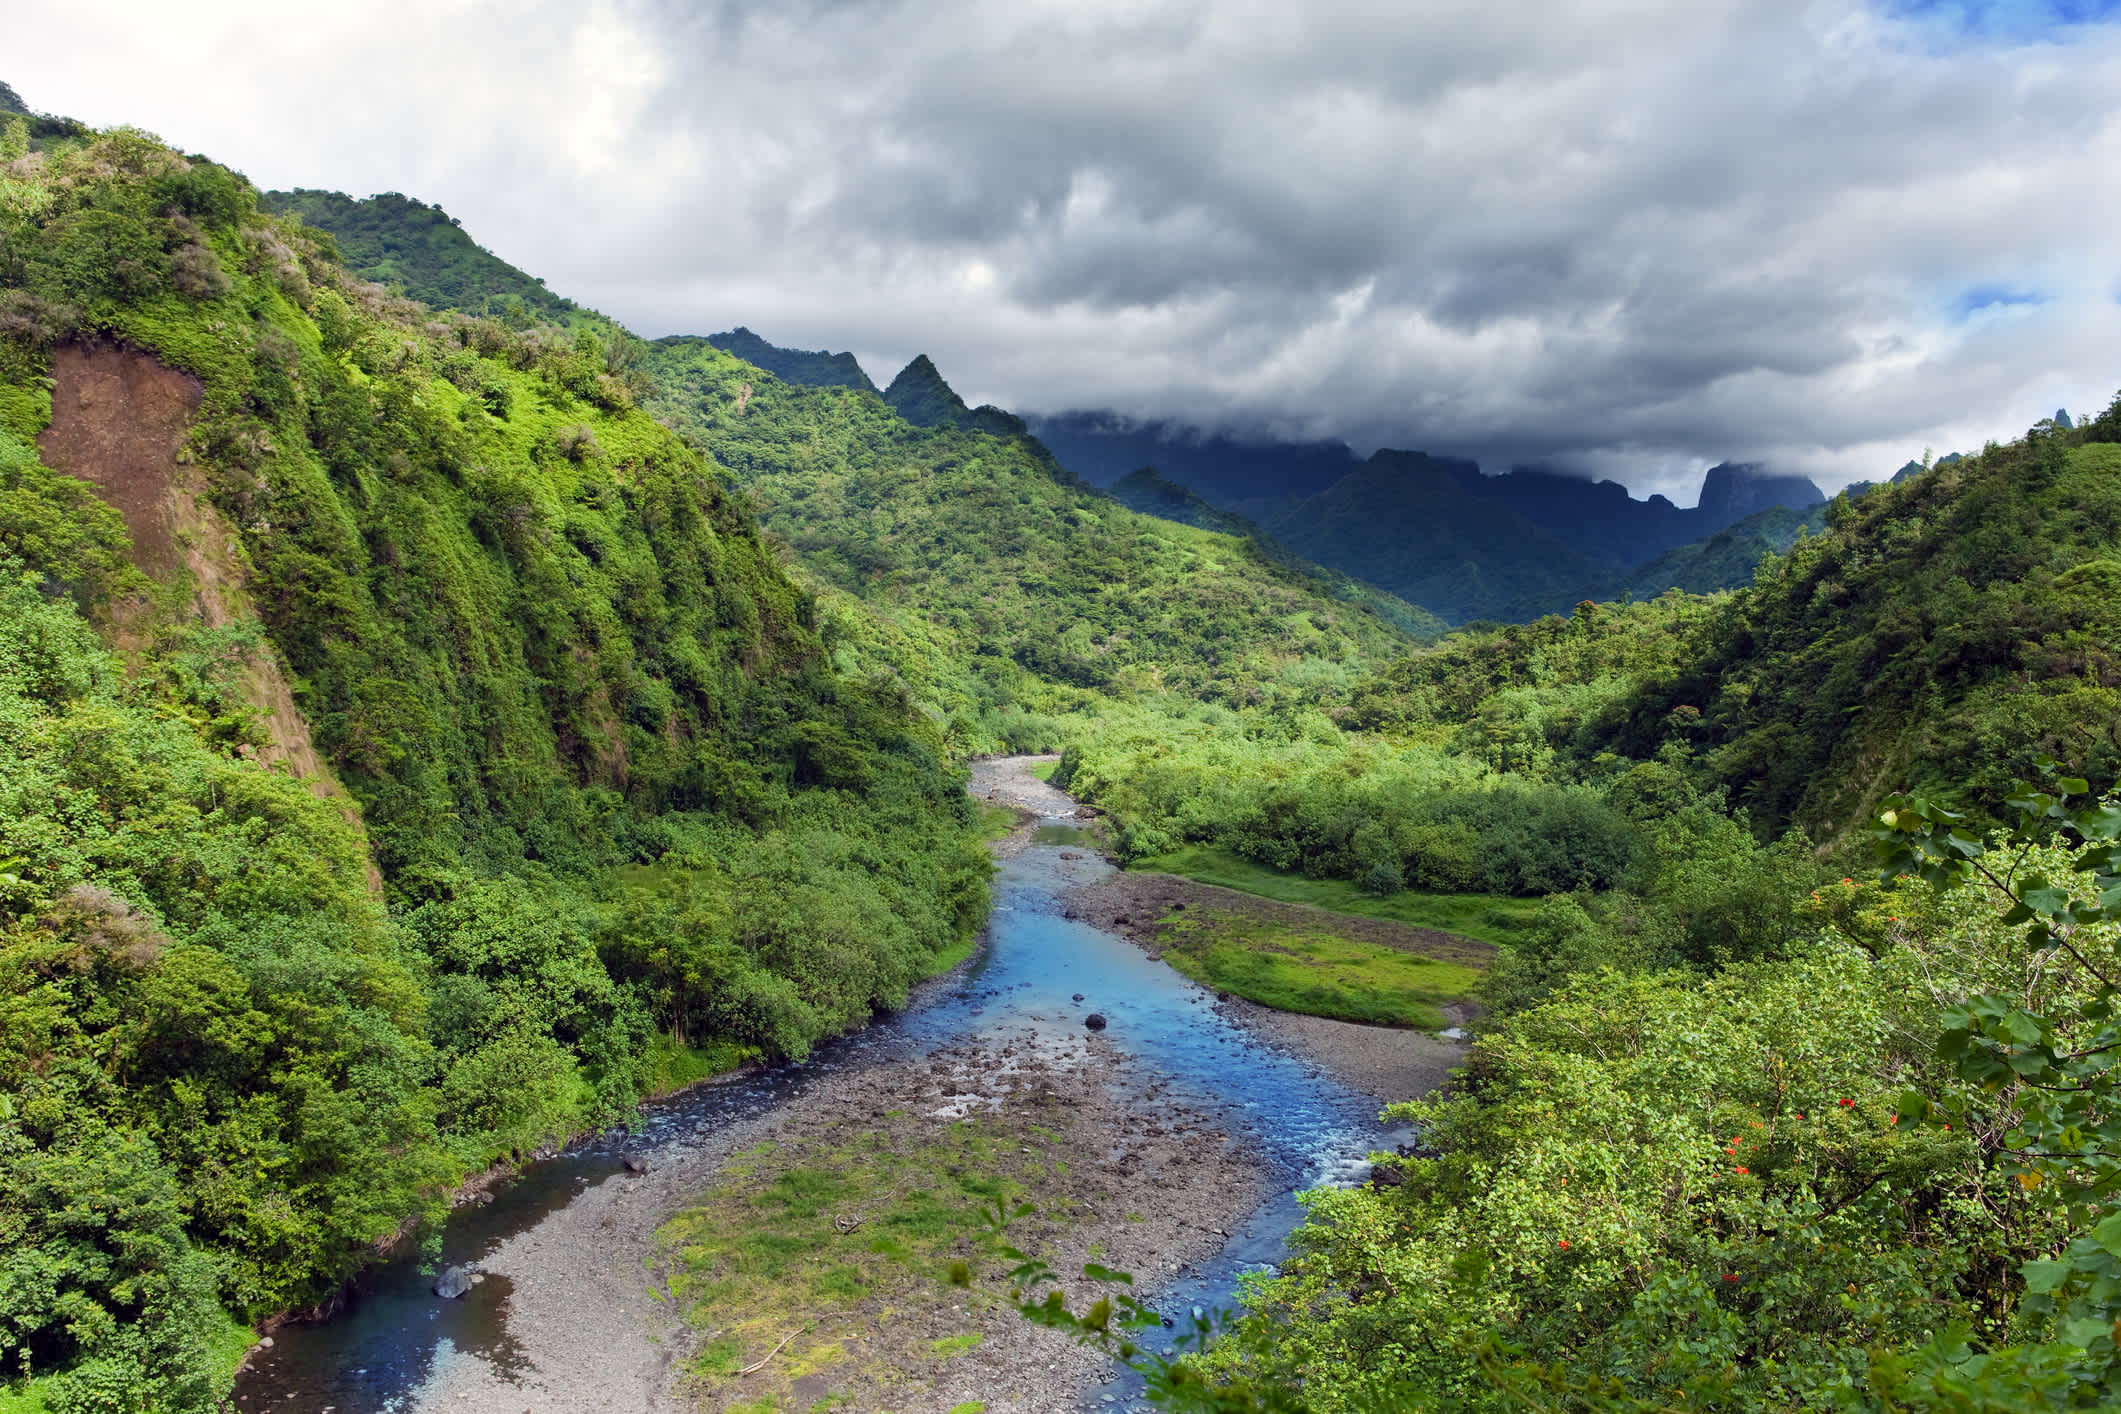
(1095, 1021)
(1078, 996)
(454, 1282)
(636, 1164)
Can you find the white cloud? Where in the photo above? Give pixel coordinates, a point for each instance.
(1630, 236)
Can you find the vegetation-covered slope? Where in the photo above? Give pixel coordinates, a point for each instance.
(1407, 522)
(817, 368)
(1940, 633)
(920, 395)
(1727, 559)
(420, 252)
(997, 586)
(1943, 633)
(608, 778)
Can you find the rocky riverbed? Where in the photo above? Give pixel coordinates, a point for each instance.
(797, 1241)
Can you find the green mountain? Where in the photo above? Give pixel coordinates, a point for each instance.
(920, 395)
(819, 369)
(1938, 633)
(993, 649)
(999, 588)
(1727, 559)
(1407, 522)
(420, 252)
(1145, 491)
(410, 754)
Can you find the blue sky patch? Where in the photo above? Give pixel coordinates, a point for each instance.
(2007, 20)
(1972, 301)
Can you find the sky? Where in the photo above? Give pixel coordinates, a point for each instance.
(1626, 238)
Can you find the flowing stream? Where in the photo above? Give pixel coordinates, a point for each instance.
(394, 1337)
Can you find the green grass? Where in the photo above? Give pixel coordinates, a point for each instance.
(19, 1398)
(871, 1217)
(995, 821)
(230, 1344)
(673, 1067)
(1492, 918)
(1044, 769)
(951, 956)
(1313, 972)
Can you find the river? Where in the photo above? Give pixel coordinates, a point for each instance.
(397, 1347)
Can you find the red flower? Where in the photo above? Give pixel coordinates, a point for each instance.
(1800, 1114)
(1730, 1276)
(1564, 1244)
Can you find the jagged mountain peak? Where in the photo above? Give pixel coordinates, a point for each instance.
(919, 395)
(1730, 491)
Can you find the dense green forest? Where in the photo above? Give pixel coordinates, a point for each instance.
(1003, 592)
(585, 784)
(1752, 1123)
(420, 252)
(468, 724)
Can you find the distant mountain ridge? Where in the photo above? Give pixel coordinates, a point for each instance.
(920, 395)
(1252, 478)
(1433, 531)
(818, 369)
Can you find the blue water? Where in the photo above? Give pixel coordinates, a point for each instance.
(379, 1352)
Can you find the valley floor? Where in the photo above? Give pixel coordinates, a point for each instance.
(1120, 1175)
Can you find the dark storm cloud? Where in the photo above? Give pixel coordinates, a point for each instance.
(1631, 236)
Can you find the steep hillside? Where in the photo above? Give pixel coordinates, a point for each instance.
(920, 395)
(1407, 522)
(819, 369)
(451, 754)
(1939, 634)
(420, 252)
(1727, 559)
(1942, 633)
(1152, 495)
(995, 584)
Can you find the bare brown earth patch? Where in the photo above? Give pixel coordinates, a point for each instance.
(119, 422)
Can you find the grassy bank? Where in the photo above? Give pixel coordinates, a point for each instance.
(858, 1244)
(1312, 970)
(1492, 918)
